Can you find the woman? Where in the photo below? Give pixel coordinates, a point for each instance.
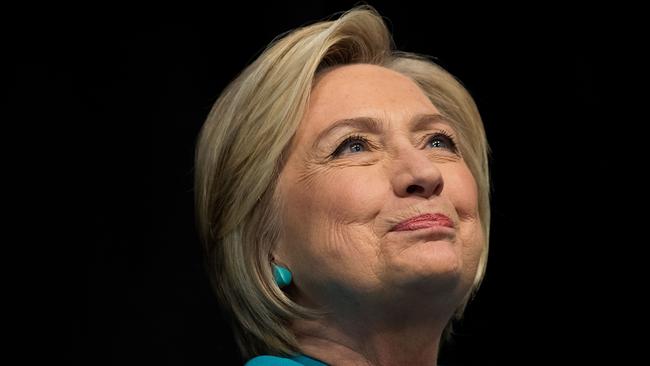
(342, 195)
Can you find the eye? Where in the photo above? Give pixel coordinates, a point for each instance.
(352, 144)
(443, 139)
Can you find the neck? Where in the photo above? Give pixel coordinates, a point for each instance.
(367, 339)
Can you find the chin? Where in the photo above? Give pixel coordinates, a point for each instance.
(435, 257)
(437, 264)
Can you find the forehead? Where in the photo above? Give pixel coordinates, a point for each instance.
(363, 90)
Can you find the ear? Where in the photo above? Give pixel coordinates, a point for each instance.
(275, 259)
(277, 253)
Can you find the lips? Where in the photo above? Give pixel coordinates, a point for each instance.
(424, 221)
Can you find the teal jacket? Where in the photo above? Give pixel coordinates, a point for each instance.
(300, 360)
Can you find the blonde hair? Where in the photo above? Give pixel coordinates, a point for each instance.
(242, 147)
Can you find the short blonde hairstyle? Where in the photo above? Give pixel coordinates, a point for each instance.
(243, 145)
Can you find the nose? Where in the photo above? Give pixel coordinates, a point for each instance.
(414, 174)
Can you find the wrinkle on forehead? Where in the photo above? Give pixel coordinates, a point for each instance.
(371, 90)
(350, 91)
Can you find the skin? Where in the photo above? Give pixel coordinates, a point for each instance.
(389, 294)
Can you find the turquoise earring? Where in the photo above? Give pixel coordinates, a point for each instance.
(282, 275)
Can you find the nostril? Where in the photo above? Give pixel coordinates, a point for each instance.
(414, 188)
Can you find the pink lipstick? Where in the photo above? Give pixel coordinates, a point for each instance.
(424, 221)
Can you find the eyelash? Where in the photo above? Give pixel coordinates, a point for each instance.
(362, 139)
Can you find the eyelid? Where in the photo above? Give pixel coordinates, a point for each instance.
(348, 139)
(449, 135)
(423, 141)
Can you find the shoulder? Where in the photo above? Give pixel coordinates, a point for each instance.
(271, 361)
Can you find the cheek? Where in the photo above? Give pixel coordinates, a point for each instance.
(328, 235)
(340, 201)
(348, 196)
(363, 194)
(463, 192)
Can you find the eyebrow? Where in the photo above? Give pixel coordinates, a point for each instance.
(374, 125)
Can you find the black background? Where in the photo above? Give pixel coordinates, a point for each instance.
(119, 97)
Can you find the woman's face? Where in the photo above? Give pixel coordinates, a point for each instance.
(343, 198)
